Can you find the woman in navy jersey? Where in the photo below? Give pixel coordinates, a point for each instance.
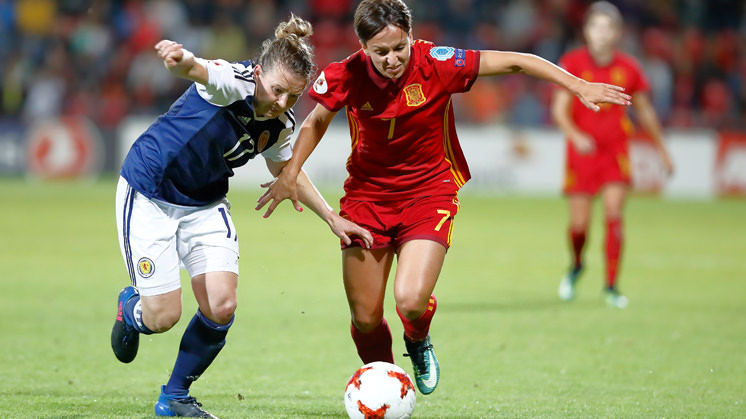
(171, 207)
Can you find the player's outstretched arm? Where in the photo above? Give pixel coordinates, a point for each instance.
(310, 196)
(284, 186)
(651, 124)
(181, 62)
(560, 109)
(495, 63)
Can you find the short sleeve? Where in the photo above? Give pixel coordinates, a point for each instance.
(641, 83)
(456, 68)
(329, 89)
(227, 83)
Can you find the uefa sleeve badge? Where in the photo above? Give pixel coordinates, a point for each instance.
(320, 86)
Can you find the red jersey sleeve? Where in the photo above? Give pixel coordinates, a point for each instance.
(330, 88)
(456, 68)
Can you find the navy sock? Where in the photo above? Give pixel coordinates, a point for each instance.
(133, 315)
(202, 341)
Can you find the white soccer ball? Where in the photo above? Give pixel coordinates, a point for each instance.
(379, 390)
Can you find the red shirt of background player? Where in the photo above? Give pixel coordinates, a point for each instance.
(611, 124)
(610, 127)
(404, 142)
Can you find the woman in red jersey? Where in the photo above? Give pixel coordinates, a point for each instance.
(405, 168)
(597, 146)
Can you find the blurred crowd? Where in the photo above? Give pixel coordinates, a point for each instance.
(95, 57)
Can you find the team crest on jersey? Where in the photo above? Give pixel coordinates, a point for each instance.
(442, 53)
(320, 86)
(145, 267)
(618, 76)
(263, 138)
(414, 94)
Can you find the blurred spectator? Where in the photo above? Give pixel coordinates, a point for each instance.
(95, 57)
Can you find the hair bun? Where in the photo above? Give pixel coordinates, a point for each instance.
(291, 48)
(294, 27)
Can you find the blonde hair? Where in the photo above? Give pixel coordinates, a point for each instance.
(290, 48)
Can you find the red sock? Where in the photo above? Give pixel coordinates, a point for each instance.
(418, 328)
(374, 345)
(614, 238)
(577, 241)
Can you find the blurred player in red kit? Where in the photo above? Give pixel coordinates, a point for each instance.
(405, 168)
(597, 143)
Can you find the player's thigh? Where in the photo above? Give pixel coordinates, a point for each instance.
(370, 215)
(614, 195)
(216, 295)
(147, 239)
(207, 240)
(419, 263)
(365, 273)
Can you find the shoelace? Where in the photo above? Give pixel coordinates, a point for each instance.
(419, 361)
(192, 400)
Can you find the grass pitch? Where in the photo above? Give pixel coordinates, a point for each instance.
(507, 347)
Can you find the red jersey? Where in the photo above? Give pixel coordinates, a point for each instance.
(404, 142)
(610, 124)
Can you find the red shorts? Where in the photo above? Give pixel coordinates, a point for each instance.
(394, 222)
(587, 173)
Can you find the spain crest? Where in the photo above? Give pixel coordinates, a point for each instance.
(145, 267)
(414, 94)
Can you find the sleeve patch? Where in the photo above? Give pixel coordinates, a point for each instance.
(460, 60)
(320, 86)
(442, 53)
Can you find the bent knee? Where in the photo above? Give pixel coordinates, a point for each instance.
(411, 308)
(163, 321)
(222, 313)
(365, 322)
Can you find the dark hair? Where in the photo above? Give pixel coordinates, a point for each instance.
(290, 48)
(603, 8)
(372, 16)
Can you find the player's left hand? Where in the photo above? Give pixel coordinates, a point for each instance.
(345, 228)
(591, 94)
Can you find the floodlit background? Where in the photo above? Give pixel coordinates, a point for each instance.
(80, 81)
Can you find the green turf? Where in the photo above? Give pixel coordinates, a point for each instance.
(507, 347)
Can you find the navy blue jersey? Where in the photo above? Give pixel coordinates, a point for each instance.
(188, 154)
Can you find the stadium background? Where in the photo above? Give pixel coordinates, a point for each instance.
(80, 80)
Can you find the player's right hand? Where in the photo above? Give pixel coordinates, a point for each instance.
(175, 57)
(583, 143)
(278, 190)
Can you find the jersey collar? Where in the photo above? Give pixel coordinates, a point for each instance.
(384, 82)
